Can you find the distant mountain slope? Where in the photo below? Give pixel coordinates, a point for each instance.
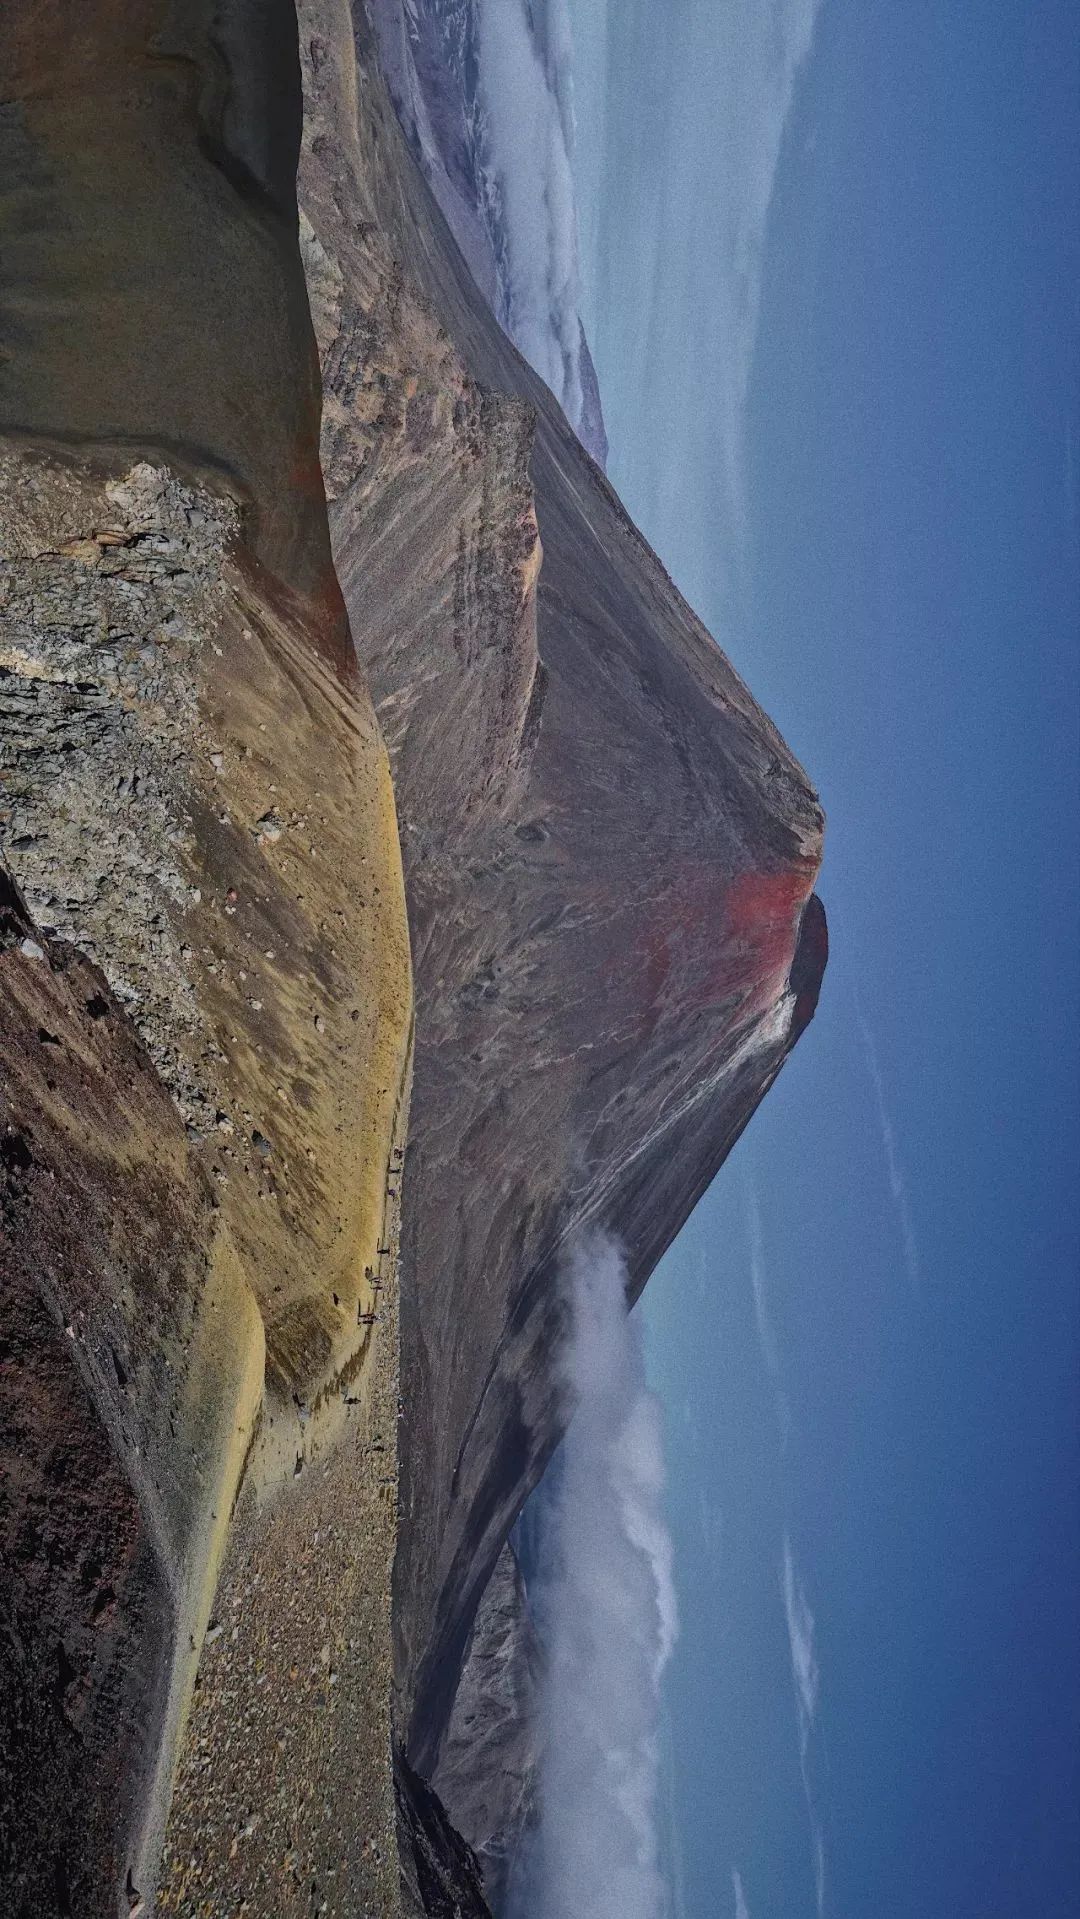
(609, 850)
(486, 1775)
(501, 173)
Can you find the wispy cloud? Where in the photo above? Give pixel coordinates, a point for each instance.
(769, 49)
(804, 1665)
(672, 1843)
(770, 1351)
(703, 245)
(802, 1644)
(742, 1910)
(893, 1163)
(818, 1844)
(806, 1680)
(610, 1621)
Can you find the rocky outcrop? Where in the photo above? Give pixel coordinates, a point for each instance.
(609, 850)
(440, 1873)
(592, 431)
(205, 994)
(131, 1369)
(490, 1752)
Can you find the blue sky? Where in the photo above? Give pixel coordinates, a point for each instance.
(831, 277)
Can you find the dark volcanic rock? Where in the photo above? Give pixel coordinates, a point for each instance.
(85, 1618)
(610, 851)
(490, 1751)
(591, 429)
(440, 1873)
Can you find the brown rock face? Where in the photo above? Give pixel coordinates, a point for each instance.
(150, 297)
(205, 992)
(609, 849)
(440, 1873)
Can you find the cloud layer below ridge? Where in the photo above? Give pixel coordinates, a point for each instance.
(609, 1615)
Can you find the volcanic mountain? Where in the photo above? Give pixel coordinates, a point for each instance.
(609, 850)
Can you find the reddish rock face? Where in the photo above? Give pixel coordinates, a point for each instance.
(609, 850)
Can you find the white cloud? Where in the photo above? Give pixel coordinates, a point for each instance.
(528, 125)
(610, 1621)
(818, 1844)
(736, 74)
(742, 1910)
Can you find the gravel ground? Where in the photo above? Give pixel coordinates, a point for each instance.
(284, 1802)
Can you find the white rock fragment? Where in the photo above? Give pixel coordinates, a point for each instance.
(269, 828)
